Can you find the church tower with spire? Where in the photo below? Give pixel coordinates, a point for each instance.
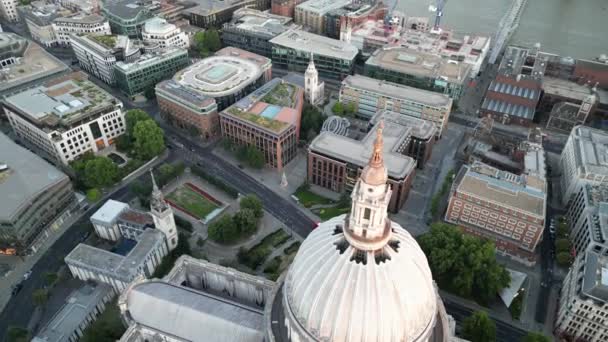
(163, 215)
(313, 89)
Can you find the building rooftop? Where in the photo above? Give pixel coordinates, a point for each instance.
(82, 18)
(270, 107)
(150, 59)
(419, 64)
(421, 129)
(228, 71)
(35, 64)
(42, 13)
(358, 152)
(189, 314)
(158, 25)
(124, 9)
(502, 187)
(62, 101)
(182, 93)
(262, 23)
(322, 6)
(124, 267)
(109, 212)
(78, 305)
(595, 279)
(590, 150)
(209, 7)
(394, 90)
(25, 177)
(564, 88)
(313, 43)
(136, 217)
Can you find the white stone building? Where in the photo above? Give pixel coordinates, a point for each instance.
(8, 9)
(158, 31)
(583, 306)
(350, 268)
(588, 218)
(98, 54)
(584, 160)
(66, 117)
(314, 89)
(105, 220)
(93, 24)
(121, 267)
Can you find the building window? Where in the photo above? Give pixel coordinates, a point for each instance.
(366, 214)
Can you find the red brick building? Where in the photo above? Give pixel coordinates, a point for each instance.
(591, 72)
(512, 99)
(506, 208)
(285, 8)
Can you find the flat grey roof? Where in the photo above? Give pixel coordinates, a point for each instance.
(590, 149)
(109, 212)
(420, 128)
(77, 307)
(125, 9)
(82, 18)
(565, 88)
(313, 43)
(189, 314)
(418, 63)
(123, 267)
(595, 280)
(322, 6)
(394, 90)
(358, 152)
(27, 177)
(150, 59)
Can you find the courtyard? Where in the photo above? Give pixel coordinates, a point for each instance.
(193, 201)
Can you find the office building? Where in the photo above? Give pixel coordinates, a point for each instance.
(227, 76)
(215, 13)
(284, 8)
(371, 35)
(252, 30)
(25, 64)
(87, 24)
(119, 268)
(35, 197)
(126, 17)
(335, 161)
(8, 9)
(38, 17)
(81, 309)
(267, 119)
(340, 20)
(311, 14)
(291, 50)
(588, 219)
(159, 32)
(419, 69)
(591, 72)
(584, 160)
(66, 117)
(97, 55)
(506, 208)
(371, 95)
(141, 75)
(582, 307)
(188, 110)
(569, 104)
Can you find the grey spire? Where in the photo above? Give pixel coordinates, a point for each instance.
(157, 202)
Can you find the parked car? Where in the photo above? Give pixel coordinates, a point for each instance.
(16, 289)
(552, 230)
(27, 275)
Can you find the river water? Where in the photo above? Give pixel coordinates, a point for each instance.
(576, 28)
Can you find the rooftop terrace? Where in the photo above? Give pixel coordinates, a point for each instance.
(62, 101)
(313, 43)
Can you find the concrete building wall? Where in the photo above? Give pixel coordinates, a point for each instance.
(100, 65)
(9, 10)
(63, 30)
(45, 35)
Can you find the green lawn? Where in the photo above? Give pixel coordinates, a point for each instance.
(309, 198)
(256, 255)
(191, 201)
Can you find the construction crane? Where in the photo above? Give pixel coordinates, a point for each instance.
(438, 10)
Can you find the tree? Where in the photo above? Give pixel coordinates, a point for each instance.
(17, 334)
(562, 245)
(479, 328)
(562, 230)
(50, 278)
(132, 117)
(245, 221)
(150, 93)
(212, 40)
(223, 230)
(535, 337)
(463, 264)
(311, 122)
(255, 158)
(149, 139)
(338, 108)
(100, 172)
(199, 43)
(93, 194)
(350, 109)
(253, 203)
(40, 297)
(124, 143)
(563, 259)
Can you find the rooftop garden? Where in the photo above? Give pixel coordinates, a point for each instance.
(282, 95)
(259, 120)
(107, 41)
